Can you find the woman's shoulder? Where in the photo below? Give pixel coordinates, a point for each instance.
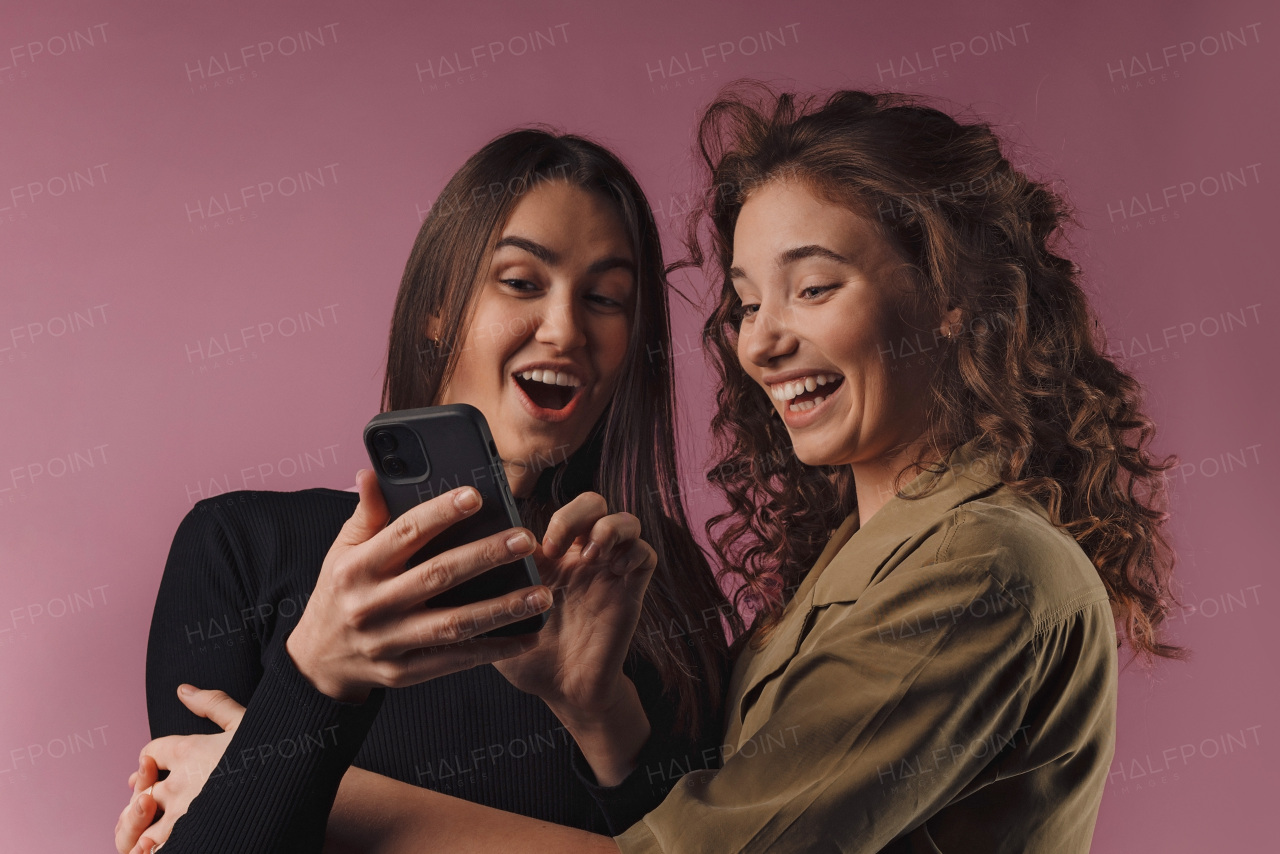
(259, 508)
(254, 529)
(1035, 562)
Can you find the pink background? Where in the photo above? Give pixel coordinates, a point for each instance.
(117, 270)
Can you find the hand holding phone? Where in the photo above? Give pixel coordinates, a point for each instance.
(367, 623)
(420, 453)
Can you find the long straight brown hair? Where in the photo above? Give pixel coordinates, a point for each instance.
(630, 457)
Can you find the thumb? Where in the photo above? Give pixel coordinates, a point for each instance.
(217, 706)
(371, 513)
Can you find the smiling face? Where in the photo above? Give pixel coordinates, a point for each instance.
(826, 305)
(549, 334)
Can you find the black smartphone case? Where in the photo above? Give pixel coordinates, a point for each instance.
(459, 451)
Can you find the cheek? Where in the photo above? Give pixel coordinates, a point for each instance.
(741, 347)
(610, 345)
(495, 336)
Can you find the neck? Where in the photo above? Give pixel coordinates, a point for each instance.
(521, 479)
(876, 480)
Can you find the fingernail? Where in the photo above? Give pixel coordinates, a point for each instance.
(137, 806)
(549, 547)
(186, 690)
(590, 551)
(537, 601)
(519, 543)
(467, 500)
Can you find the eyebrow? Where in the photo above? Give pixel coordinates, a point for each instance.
(551, 258)
(537, 250)
(798, 253)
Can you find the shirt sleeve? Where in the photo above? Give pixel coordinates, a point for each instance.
(276, 783)
(275, 786)
(870, 727)
(203, 627)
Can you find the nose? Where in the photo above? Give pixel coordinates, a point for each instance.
(560, 323)
(766, 338)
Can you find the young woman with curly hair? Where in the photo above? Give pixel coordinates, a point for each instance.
(942, 504)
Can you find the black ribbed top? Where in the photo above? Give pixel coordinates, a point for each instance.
(238, 577)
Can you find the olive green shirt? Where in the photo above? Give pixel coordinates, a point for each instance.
(944, 680)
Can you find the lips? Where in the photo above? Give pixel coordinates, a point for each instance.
(548, 394)
(805, 391)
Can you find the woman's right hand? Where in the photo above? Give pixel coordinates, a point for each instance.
(365, 624)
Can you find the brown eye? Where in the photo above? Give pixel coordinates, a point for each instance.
(603, 301)
(815, 291)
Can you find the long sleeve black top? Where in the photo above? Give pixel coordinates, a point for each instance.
(239, 574)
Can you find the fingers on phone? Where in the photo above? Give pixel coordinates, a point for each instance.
(447, 626)
(371, 512)
(418, 526)
(454, 566)
(430, 662)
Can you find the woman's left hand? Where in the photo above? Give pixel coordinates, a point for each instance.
(598, 569)
(189, 759)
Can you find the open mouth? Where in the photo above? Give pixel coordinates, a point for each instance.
(547, 389)
(807, 392)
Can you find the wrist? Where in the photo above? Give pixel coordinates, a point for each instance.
(610, 734)
(595, 712)
(305, 659)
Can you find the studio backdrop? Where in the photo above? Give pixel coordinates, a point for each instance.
(205, 209)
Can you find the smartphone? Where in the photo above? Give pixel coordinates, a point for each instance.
(418, 454)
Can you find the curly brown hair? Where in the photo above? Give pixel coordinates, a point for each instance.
(1025, 377)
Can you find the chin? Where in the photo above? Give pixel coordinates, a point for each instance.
(816, 452)
(546, 452)
(811, 454)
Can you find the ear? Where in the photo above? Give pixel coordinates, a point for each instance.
(431, 327)
(951, 325)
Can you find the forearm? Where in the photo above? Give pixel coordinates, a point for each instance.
(276, 782)
(379, 815)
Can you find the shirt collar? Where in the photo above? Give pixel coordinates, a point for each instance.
(851, 564)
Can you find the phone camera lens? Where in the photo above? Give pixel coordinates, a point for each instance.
(393, 466)
(384, 441)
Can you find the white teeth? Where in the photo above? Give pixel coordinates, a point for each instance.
(550, 378)
(805, 405)
(794, 388)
